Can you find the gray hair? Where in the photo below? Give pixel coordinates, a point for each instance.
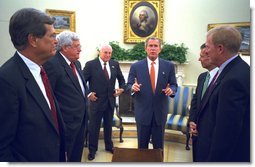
(145, 13)
(104, 45)
(228, 36)
(66, 38)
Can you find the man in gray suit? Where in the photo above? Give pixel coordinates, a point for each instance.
(151, 81)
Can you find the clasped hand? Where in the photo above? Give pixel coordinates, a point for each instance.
(118, 92)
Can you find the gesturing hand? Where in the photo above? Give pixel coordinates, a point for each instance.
(136, 86)
(168, 91)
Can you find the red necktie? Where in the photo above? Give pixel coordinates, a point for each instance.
(106, 72)
(73, 68)
(152, 76)
(49, 95)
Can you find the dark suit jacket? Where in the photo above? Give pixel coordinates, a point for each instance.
(146, 104)
(104, 89)
(27, 131)
(196, 100)
(223, 122)
(69, 94)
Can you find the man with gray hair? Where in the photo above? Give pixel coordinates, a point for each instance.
(223, 122)
(101, 74)
(65, 75)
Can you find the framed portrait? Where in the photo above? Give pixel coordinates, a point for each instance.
(245, 30)
(64, 20)
(143, 18)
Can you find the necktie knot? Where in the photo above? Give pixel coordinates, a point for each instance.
(42, 71)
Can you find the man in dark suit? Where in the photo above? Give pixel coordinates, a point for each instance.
(203, 81)
(68, 84)
(151, 81)
(31, 123)
(223, 121)
(101, 74)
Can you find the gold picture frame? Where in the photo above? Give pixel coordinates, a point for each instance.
(64, 20)
(143, 18)
(244, 28)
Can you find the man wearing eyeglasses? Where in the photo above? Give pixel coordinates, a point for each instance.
(68, 84)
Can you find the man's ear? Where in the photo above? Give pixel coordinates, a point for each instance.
(32, 40)
(220, 48)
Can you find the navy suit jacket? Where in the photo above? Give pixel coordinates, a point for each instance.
(72, 101)
(104, 89)
(196, 99)
(223, 120)
(27, 131)
(67, 90)
(147, 104)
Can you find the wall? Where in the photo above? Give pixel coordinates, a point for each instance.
(100, 21)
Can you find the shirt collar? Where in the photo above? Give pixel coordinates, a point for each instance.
(66, 59)
(149, 61)
(102, 62)
(226, 63)
(32, 66)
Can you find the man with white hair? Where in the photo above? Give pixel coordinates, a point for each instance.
(101, 74)
(65, 75)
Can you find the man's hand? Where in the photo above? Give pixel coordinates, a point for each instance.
(118, 92)
(136, 86)
(92, 96)
(193, 128)
(168, 91)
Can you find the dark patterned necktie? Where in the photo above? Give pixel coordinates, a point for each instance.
(48, 90)
(73, 68)
(106, 72)
(212, 84)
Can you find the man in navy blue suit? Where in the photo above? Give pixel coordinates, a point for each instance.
(151, 81)
(31, 124)
(101, 74)
(223, 121)
(203, 81)
(68, 84)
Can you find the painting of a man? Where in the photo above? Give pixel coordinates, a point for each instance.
(143, 21)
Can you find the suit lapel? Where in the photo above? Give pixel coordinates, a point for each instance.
(161, 74)
(35, 91)
(69, 72)
(146, 73)
(78, 67)
(113, 71)
(101, 71)
(218, 80)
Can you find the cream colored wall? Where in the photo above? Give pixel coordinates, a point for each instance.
(98, 21)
